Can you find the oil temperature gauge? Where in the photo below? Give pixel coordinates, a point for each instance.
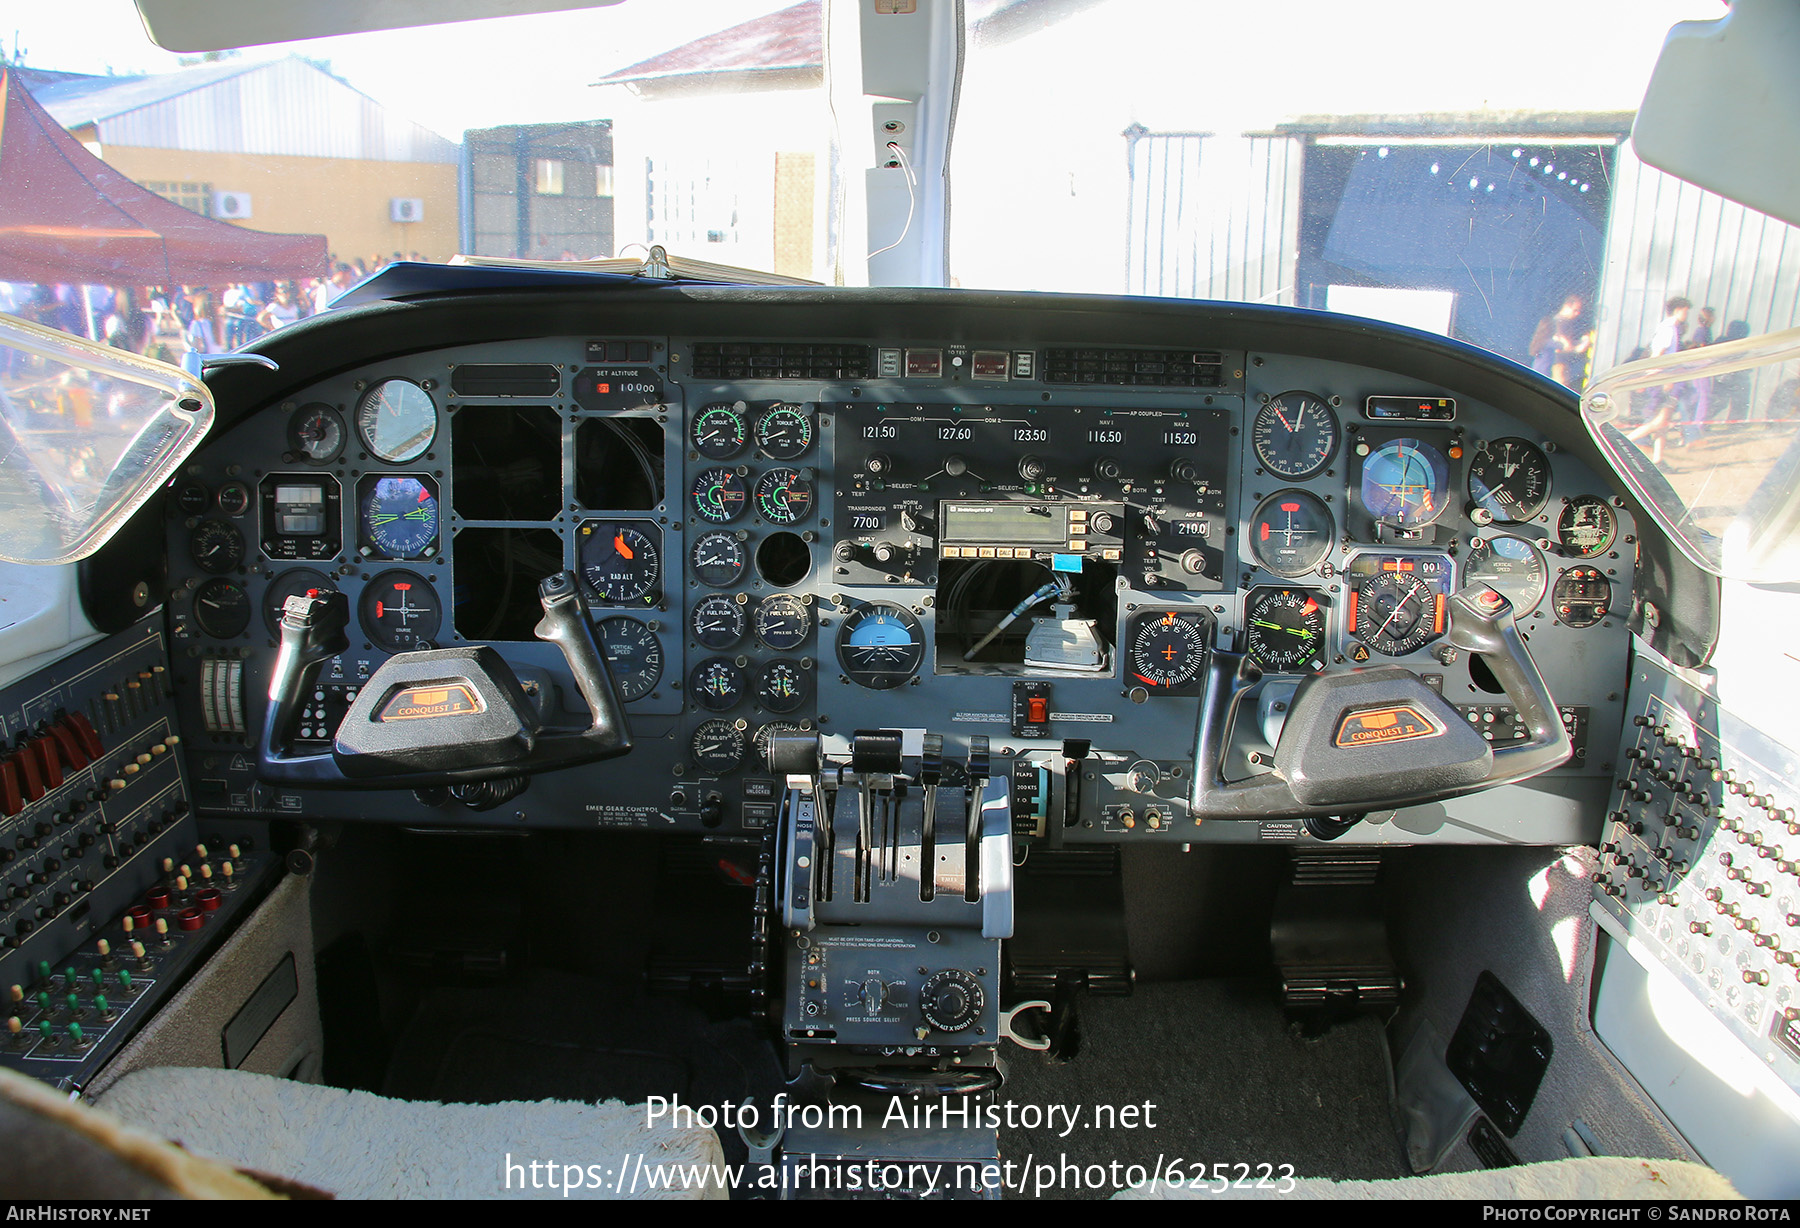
(781, 686)
(1166, 652)
(717, 684)
(1284, 630)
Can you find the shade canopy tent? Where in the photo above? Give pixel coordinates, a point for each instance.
(68, 217)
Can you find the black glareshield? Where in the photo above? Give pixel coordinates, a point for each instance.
(438, 717)
(1378, 738)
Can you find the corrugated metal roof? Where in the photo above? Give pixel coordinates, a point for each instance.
(287, 106)
(789, 39)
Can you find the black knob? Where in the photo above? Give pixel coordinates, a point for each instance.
(886, 552)
(955, 465)
(879, 464)
(843, 552)
(1031, 468)
(1107, 469)
(951, 1000)
(1184, 470)
(1101, 522)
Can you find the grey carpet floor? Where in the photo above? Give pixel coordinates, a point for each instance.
(1231, 1082)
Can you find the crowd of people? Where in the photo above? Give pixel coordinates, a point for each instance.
(181, 324)
(1683, 412)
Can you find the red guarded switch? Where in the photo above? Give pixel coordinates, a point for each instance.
(49, 763)
(68, 746)
(12, 797)
(29, 775)
(85, 734)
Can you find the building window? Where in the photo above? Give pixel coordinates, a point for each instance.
(603, 183)
(194, 196)
(549, 177)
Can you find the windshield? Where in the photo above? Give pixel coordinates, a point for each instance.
(1467, 175)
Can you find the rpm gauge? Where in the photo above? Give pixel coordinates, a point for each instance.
(397, 420)
(718, 558)
(400, 611)
(1405, 483)
(633, 653)
(398, 515)
(315, 433)
(620, 562)
(1295, 435)
(1284, 630)
(880, 646)
(1291, 532)
(1510, 479)
(1166, 652)
(1512, 567)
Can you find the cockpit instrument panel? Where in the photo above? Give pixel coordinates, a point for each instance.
(1024, 538)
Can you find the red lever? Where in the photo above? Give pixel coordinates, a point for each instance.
(68, 747)
(11, 799)
(85, 734)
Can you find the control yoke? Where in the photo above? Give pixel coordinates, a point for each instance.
(1379, 738)
(440, 716)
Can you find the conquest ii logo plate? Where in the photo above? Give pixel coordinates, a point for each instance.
(420, 703)
(1375, 725)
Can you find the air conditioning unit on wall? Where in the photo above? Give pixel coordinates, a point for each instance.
(406, 209)
(232, 205)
